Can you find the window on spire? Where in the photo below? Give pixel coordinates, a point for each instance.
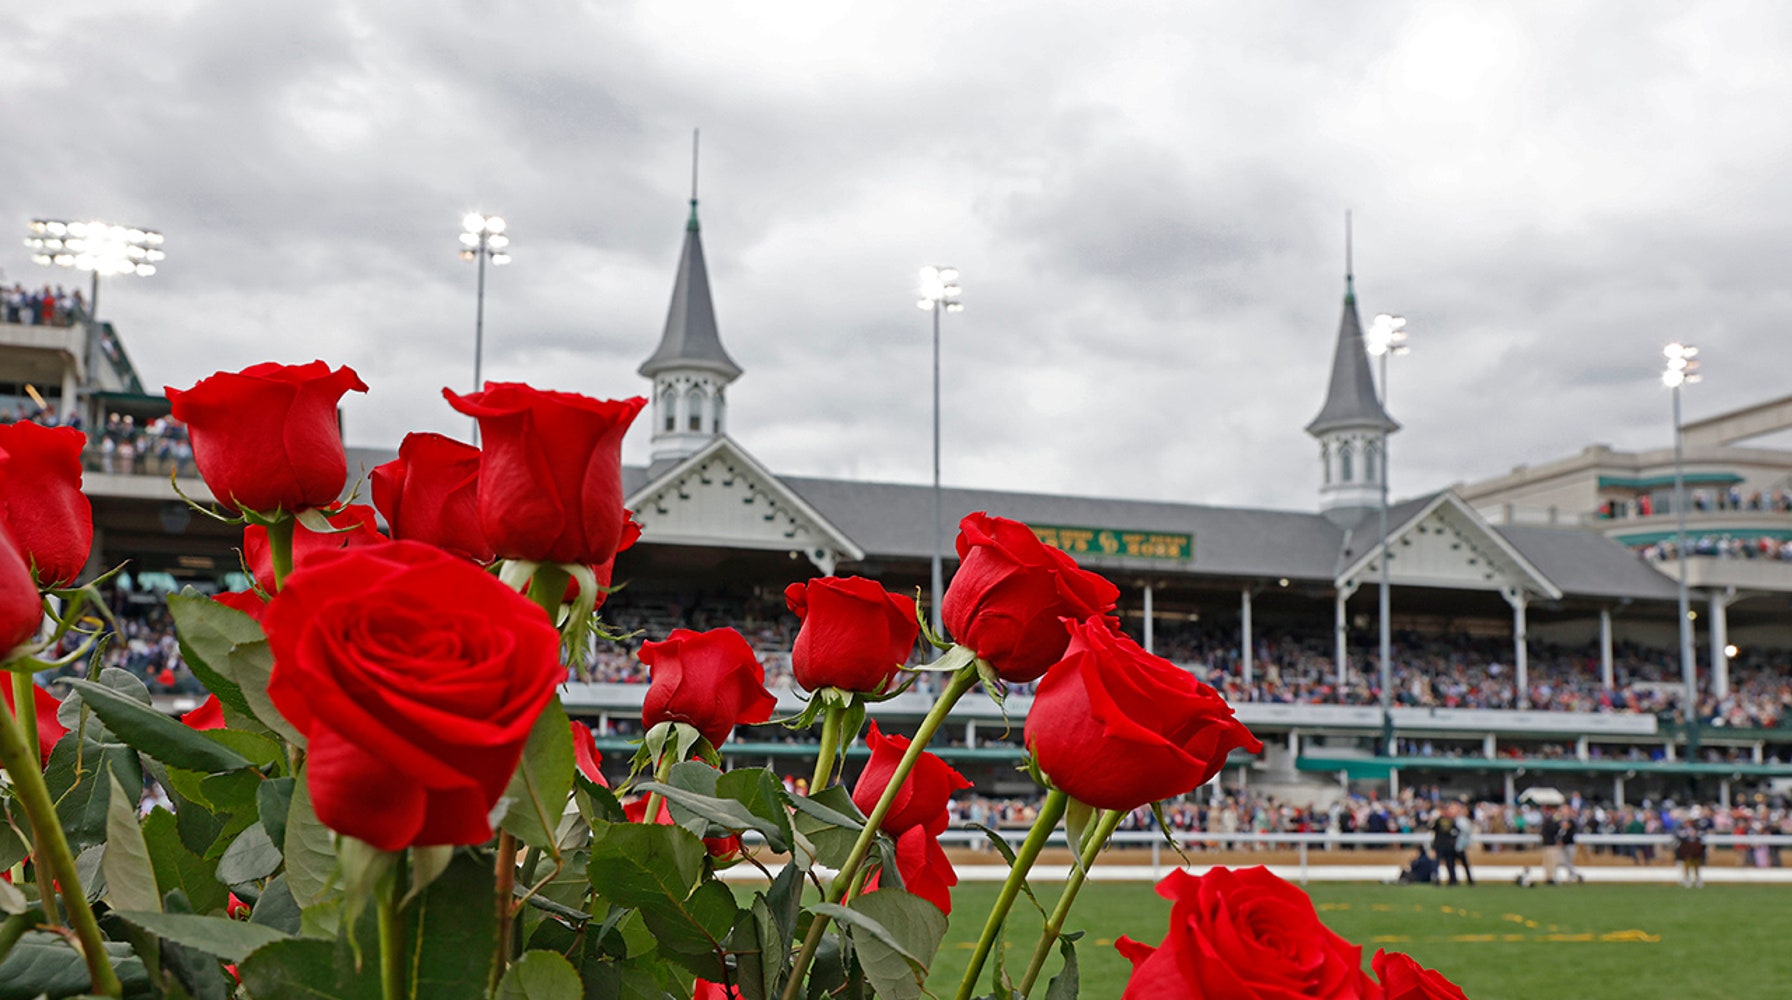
(693, 405)
(668, 410)
(1325, 462)
(1369, 459)
(1344, 469)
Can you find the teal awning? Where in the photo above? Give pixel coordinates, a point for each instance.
(1640, 483)
(1378, 767)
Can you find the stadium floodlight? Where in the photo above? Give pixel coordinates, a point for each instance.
(100, 248)
(940, 292)
(1386, 335)
(482, 238)
(1682, 368)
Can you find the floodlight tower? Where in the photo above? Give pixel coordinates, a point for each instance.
(940, 292)
(1683, 367)
(96, 247)
(482, 237)
(1386, 335)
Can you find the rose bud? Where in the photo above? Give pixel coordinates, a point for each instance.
(1117, 728)
(267, 438)
(51, 519)
(584, 753)
(415, 676)
(855, 636)
(550, 475)
(1243, 935)
(710, 680)
(1009, 592)
(924, 794)
(430, 493)
(1404, 979)
(357, 518)
(21, 607)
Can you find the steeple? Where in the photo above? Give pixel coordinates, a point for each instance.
(690, 368)
(1352, 426)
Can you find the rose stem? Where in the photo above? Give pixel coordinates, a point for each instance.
(24, 700)
(662, 773)
(962, 681)
(546, 588)
(52, 848)
(280, 531)
(1050, 811)
(391, 939)
(831, 724)
(1054, 925)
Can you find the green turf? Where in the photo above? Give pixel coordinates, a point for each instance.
(1584, 942)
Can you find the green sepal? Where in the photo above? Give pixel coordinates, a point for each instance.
(1077, 815)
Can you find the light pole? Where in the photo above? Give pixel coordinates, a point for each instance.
(1683, 367)
(98, 248)
(1386, 335)
(939, 293)
(482, 236)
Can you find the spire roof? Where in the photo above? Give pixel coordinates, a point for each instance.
(1351, 400)
(691, 339)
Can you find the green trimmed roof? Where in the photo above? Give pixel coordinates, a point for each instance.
(1378, 767)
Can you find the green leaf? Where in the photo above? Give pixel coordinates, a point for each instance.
(44, 964)
(207, 632)
(276, 908)
(310, 852)
(130, 878)
(716, 812)
(249, 858)
(1077, 815)
(635, 864)
(896, 935)
(156, 734)
(759, 951)
(541, 975)
(77, 783)
(260, 749)
(13, 848)
(309, 969)
(1064, 985)
(220, 937)
(455, 936)
(830, 821)
(690, 932)
(955, 659)
(543, 779)
(233, 796)
(763, 796)
(273, 799)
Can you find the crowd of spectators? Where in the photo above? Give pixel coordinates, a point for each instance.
(1722, 546)
(123, 446)
(46, 306)
(1729, 498)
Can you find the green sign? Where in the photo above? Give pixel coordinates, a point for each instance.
(1118, 542)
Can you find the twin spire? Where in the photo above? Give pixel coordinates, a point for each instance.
(1353, 425)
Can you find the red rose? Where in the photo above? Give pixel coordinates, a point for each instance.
(1243, 934)
(584, 753)
(550, 476)
(924, 794)
(721, 848)
(415, 677)
(1009, 592)
(855, 634)
(51, 519)
(21, 607)
(706, 990)
(48, 729)
(1404, 979)
(430, 493)
(258, 555)
(925, 869)
(267, 438)
(1118, 728)
(710, 680)
(209, 715)
(247, 601)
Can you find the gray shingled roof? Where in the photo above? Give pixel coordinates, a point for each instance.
(1587, 564)
(1351, 400)
(893, 519)
(691, 338)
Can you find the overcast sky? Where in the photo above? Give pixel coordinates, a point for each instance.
(1146, 201)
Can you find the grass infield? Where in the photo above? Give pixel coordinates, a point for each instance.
(1496, 941)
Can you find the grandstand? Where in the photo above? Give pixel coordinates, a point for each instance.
(1531, 648)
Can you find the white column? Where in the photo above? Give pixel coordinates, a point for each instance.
(1581, 749)
(1294, 743)
(1247, 641)
(1720, 640)
(1150, 621)
(66, 409)
(970, 734)
(1394, 783)
(1605, 648)
(1489, 748)
(1341, 647)
(1511, 789)
(1760, 752)
(1618, 790)
(1723, 793)
(1520, 651)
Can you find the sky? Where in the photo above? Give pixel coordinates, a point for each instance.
(1146, 201)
